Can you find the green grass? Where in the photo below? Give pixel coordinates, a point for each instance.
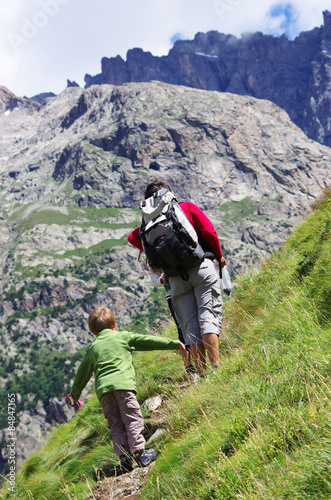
(18, 212)
(260, 428)
(143, 323)
(29, 272)
(237, 213)
(84, 217)
(78, 451)
(100, 247)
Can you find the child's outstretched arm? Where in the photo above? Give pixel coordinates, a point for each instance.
(151, 342)
(83, 375)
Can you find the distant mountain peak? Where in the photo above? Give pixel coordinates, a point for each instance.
(294, 74)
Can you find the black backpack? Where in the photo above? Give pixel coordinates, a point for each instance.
(169, 240)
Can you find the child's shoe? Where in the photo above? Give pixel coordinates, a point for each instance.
(126, 463)
(144, 457)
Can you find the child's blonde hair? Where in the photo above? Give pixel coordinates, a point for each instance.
(100, 319)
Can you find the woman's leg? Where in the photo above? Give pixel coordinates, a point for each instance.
(207, 292)
(186, 311)
(211, 344)
(199, 357)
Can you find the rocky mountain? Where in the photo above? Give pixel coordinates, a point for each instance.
(9, 101)
(73, 172)
(294, 74)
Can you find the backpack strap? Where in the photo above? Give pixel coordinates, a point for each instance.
(153, 206)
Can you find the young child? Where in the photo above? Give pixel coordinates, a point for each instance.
(109, 357)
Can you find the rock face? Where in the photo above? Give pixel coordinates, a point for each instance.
(8, 102)
(296, 75)
(73, 172)
(40, 98)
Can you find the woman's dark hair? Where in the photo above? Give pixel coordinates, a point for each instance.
(153, 187)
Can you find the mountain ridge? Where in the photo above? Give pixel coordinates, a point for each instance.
(296, 75)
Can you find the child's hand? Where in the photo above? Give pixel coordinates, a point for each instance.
(72, 401)
(182, 347)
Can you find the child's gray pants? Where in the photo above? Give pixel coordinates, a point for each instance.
(125, 421)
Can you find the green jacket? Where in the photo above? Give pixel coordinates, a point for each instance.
(109, 358)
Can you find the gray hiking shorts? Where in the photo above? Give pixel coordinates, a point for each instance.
(198, 302)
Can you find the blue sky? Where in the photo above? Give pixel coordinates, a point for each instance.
(44, 42)
(285, 17)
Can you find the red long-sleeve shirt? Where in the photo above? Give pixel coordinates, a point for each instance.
(201, 224)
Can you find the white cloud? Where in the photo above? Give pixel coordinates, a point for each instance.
(44, 42)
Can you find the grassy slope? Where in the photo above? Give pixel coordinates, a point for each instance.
(260, 427)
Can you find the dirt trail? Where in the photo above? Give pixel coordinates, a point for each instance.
(125, 486)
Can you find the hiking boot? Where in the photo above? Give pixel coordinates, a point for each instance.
(192, 374)
(190, 369)
(144, 457)
(126, 463)
(193, 377)
(215, 369)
